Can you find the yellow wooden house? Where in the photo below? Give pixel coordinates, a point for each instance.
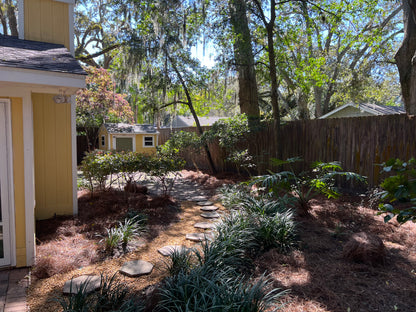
(38, 79)
(126, 137)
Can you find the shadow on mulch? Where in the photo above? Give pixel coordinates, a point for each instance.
(319, 277)
(65, 243)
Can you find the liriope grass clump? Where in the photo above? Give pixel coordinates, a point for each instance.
(112, 295)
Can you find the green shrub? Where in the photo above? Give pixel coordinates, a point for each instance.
(400, 187)
(229, 133)
(99, 167)
(321, 179)
(164, 171)
(96, 167)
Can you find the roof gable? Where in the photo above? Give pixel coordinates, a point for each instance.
(368, 109)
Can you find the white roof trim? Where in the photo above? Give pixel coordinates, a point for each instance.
(66, 1)
(39, 77)
(362, 108)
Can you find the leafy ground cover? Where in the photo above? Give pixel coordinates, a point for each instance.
(318, 277)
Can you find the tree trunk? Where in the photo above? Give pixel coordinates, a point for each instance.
(3, 22)
(317, 92)
(193, 112)
(244, 59)
(303, 111)
(406, 58)
(11, 15)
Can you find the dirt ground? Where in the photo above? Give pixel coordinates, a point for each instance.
(318, 277)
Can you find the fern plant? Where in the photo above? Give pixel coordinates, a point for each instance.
(305, 186)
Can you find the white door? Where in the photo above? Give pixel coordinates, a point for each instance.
(4, 186)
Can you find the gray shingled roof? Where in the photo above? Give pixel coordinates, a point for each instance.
(185, 121)
(382, 109)
(127, 128)
(37, 55)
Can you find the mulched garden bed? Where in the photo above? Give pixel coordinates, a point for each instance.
(318, 277)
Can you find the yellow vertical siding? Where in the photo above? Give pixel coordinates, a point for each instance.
(53, 157)
(139, 144)
(103, 132)
(19, 180)
(48, 21)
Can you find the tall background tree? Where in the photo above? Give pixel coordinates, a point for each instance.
(8, 20)
(405, 57)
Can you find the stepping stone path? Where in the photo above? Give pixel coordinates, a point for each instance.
(89, 283)
(168, 250)
(204, 225)
(205, 203)
(209, 208)
(136, 268)
(210, 215)
(199, 237)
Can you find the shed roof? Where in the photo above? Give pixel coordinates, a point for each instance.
(114, 128)
(373, 109)
(187, 121)
(36, 55)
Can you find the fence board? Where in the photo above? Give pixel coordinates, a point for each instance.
(359, 143)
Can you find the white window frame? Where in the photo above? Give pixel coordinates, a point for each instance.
(102, 140)
(144, 141)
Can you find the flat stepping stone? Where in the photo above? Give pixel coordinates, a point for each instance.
(210, 215)
(204, 225)
(88, 283)
(136, 268)
(199, 237)
(169, 250)
(205, 203)
(209, 208)
(199, 198)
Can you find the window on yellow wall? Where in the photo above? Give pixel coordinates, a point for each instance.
(148, 141)
(102, 140)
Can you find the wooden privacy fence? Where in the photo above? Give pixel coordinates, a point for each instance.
(359, 143)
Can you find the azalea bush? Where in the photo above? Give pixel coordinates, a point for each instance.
(99, 102)
(229, 133)
(101, 168)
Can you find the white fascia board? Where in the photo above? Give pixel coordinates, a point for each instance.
(336, 110)
(66, 1)
(44, 78)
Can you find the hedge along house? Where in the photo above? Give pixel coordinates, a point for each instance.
(38, 77)
(125, 137)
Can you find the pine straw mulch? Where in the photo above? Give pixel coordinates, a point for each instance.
(317, 276)
(320, 280)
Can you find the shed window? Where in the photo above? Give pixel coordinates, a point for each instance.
(148, 141)
(103, 140)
